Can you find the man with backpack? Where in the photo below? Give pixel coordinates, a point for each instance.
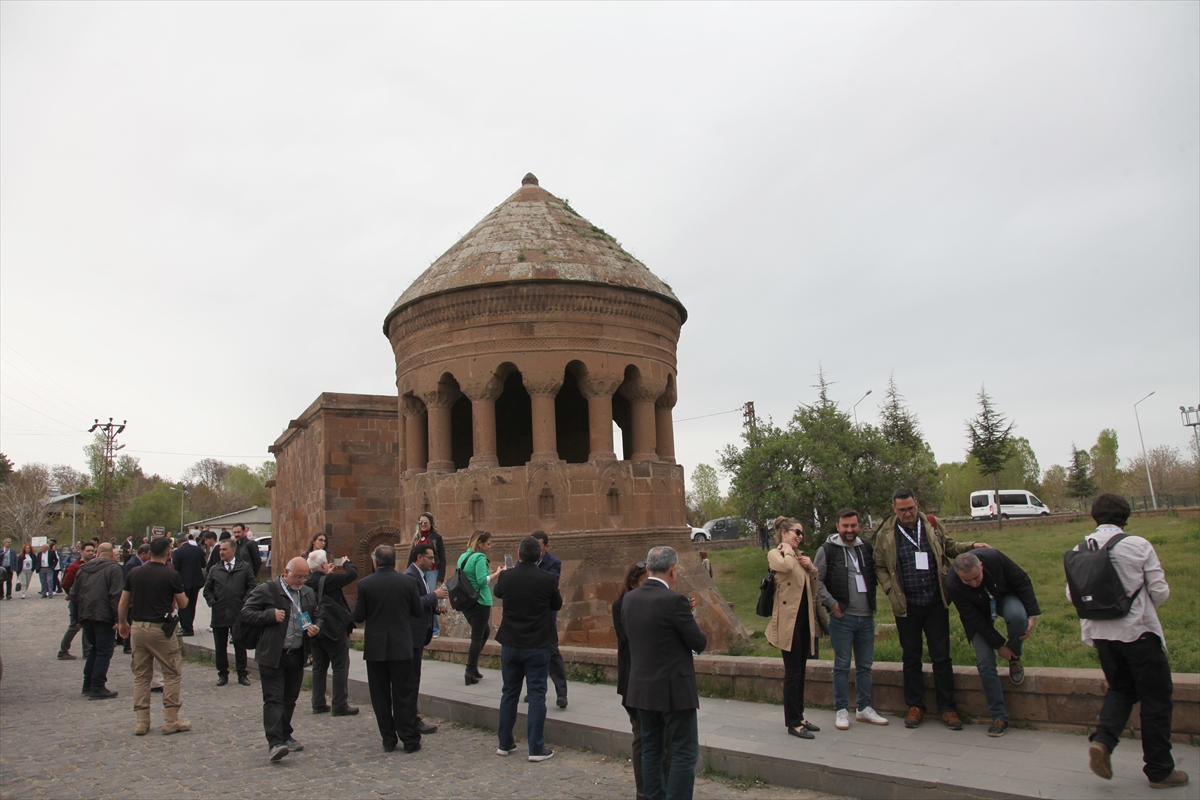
(1115, 587)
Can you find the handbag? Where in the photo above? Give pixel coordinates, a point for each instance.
(337, 617)
(462, 594)
(766, 596)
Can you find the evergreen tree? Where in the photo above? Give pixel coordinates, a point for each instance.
(906, 458)
(1106, 465)
(1079, 476)
(991, 441)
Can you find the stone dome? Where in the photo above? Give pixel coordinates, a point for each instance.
(534, 236)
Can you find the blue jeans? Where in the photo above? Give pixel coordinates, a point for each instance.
(517, 666)
(431, 585)
(1012, 611)
(852, 635)
(678, 730)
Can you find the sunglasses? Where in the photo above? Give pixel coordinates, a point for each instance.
(640, 565)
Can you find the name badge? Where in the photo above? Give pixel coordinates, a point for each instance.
(922, 560)
(304, 620)
(861, 582)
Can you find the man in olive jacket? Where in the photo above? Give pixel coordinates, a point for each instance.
(228, 585)
(911, 560)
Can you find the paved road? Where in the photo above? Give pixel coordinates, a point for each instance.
(56, 744)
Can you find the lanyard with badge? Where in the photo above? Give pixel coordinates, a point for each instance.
(859, 581)
(303, 618)
(921, 558)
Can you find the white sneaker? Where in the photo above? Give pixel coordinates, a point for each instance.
(842, 721)
(868, 715)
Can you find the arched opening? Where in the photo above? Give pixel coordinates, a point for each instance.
(514, 421)
(476, 508)
(571, 418)
(623, 415)
(462, 436)
(546, 503)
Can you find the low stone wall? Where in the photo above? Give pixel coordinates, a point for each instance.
(725, 544)
(1058, 519)
(1050, 698)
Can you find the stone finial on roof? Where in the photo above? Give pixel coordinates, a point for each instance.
(529, 180)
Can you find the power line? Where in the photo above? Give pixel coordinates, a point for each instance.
(43, 413)
(198, 455)
(50, 403)
(35, 366)
(703, 416)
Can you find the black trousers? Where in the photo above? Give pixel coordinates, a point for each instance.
(187, 616)
(1138, 672)
(933, 621)
(393, 686)
(280, 688)
(327, 653)
(795, 666)
(221, 649)
(8, 581)
(73, 628)
(480, 618)
(558, 672)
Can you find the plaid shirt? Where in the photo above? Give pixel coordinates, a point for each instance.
(920, 585)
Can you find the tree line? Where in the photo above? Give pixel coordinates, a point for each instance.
(820, 461)
(213, 487)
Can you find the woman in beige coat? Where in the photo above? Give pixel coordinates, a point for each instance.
(793, 627)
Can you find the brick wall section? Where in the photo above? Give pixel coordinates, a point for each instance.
(337, 473)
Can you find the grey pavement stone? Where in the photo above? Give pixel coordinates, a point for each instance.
(55, 744)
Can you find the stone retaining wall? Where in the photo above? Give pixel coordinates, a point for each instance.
(1050, 698)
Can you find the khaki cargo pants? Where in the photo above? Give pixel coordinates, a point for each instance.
(150, 645)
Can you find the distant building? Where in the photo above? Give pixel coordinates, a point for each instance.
(256, 518)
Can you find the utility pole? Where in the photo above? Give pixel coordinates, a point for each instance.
(748, 415)
(111, 431)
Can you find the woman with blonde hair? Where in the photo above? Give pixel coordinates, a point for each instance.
(474, 564)
(793, 627)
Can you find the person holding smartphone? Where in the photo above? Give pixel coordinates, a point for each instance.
(474, 564)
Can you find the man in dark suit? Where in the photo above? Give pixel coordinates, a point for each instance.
(548, 562)
(332, 649)
(188, 560)
(424, 559)
(526, 633)
(662, 636)
(390, 605)
(228, 585)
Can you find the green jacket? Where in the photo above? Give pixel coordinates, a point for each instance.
(477, 573)
(944, 548)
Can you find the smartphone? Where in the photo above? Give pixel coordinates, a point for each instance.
(508, 561)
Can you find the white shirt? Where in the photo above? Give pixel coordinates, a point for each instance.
(1137, 566)
(660, 580)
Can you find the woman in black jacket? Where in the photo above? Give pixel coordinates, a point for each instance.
(426, 533)
(635, 576)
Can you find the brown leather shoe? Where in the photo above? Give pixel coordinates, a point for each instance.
(1177, 778)
(915, 715)
(952, 721)
(1100, 760)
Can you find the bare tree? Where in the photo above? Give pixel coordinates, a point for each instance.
(210, 472)
(23, 502)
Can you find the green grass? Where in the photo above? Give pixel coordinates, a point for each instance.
(1038, 550)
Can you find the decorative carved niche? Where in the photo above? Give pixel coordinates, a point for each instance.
(614, 502)
(476, 508)
(546, 502)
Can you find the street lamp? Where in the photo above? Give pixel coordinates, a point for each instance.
(855, 408)
(1145, 458)
(183, 494)
(1191, 418)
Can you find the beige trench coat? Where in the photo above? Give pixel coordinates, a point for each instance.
(791, 582)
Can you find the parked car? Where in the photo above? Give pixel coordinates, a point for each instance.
(727, 528)
(264, 550)
(700, 535)
(1013, 503)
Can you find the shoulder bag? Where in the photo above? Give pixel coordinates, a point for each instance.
(462, 594)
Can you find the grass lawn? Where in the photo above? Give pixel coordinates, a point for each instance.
(1038, 550)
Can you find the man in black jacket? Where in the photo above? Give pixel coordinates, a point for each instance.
(247, 548)
(662, 636)
(332, 649)
(389, 603)
(424, 559)
(229, 584)
(97, 587)
(527, 632)
(188, 560)
(286, 610)
(986, 584)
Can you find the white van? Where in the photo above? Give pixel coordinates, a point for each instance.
(1013, 503)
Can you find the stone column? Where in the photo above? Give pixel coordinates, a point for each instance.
(543, 388)
(664, 423)
(415, 433)
(641, 394)
(439, 402)
(483, 394)
(599, 391)
(401, 439)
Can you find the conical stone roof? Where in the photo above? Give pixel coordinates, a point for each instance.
(534, 236)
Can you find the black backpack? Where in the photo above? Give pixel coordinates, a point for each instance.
(1096, 588)
(462, 593)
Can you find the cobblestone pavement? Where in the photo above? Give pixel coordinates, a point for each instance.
(56, 744)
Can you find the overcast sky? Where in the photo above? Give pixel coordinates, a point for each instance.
(207, 209)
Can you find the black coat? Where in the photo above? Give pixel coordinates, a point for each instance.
(334, 583)
(622, 648)
(188, 561)
(530, 598)
(439, 554)
(1002, 577)
(389, 603)
(226, 592)
(247, 550)
(662, 634)
(260, 610)
(97, 590)
(429, 602)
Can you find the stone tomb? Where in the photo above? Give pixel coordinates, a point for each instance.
(516, 353)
